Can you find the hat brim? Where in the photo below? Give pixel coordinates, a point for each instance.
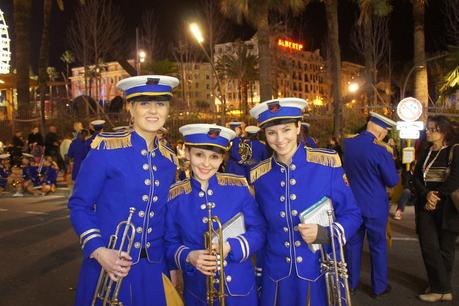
(150, 96)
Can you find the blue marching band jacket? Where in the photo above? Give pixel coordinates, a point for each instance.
(123, 164)
(187, 215)
(283, 192)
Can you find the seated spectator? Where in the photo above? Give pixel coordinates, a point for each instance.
(30, 175)
(4, 171)
(49, 175)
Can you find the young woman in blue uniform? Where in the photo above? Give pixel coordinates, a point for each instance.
(288, 183)
(123, 170)
(226, 195)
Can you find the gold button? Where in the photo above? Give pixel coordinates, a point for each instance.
(144, 152)
(287, 259)
(285, 229)
(203, 206)
(299, 259)
(282, 170)
(152, 214)
(297, 243)
(145, 198)
(145, 166)
(282, 198)
(292, 167)
(156, 183)
(139, 230)
(147, 182)
(204, 220)
(201, 194)
(153, 154)
(137, 245)
(141, 214)
(228, 278)
(293, 197)
(225, 263)
(287, 244)
(295, 228)
(282, 214)
(147, 245)
(155, 199)
(294, 212)
(149, 230)
(282, 184)
(292, 181)
(210, 192)
(154, 168)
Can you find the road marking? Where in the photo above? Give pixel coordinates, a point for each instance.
(30, 212)
(404, 239)
(3, 209)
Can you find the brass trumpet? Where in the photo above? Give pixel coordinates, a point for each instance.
(105, 283)
(211, 292)
(335, 267)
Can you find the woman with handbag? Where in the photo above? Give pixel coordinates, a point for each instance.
(437, 220)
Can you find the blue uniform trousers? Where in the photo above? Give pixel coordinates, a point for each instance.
(248, 300)
(142, 287)
(293, 291)
(376, 232)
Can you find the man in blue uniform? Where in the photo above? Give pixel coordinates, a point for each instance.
(370, 168)
(127, 172)
(77, 151)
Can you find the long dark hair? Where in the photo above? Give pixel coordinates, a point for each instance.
(445, 127)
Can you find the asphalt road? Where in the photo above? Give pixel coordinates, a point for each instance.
(40, 257)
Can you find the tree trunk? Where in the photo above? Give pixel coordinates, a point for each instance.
(44, 59)
(421, 88)
(244, 98)
(22, 12)
(370, 65)
(264, 50)
(331, 9)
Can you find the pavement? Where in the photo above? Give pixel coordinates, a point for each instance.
(40, 257)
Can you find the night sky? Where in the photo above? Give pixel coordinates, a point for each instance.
(311, 26)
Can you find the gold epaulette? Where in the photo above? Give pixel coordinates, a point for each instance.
(112, 140)
(168, 153)
(261, 169)
(263, 142)
(323, 157)
(227, 179)
(384, 145)
(182, 187)
(351, 135)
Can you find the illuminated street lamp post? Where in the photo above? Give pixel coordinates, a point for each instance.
(141, 58)
(197, 34)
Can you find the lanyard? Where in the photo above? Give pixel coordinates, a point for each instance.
(426, 167)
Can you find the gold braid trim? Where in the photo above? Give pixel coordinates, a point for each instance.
(225, 179)
(323, 157)
(167, 153)
(178, 189)
(260, 170)
(351, 135)
(384, 145)
(111, 142)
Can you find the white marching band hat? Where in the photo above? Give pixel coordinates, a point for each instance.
(148, 86)
(283, 108)
(203, 134)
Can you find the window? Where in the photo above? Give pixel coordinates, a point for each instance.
(196, 85)
(207, 86)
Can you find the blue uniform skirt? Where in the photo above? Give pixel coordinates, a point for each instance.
(293, 291)
(143, 286)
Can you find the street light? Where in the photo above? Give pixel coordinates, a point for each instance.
(142, 56)
(197, 34)
(353, 87)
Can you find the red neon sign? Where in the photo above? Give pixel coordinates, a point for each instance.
(285, 43)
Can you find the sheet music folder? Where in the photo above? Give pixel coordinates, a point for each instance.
(232, 228)
(317, 214)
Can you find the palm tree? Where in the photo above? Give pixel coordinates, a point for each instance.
(369, 9)
(22, 14)
(242, 67)
(331, 10)
(257, 12)
(68, 58)
(421, 87)
(450, 81)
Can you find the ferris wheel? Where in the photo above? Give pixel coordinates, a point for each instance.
(5, 54)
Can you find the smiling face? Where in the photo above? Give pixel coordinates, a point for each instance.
(204, 163)
(433, 133)
(283, 139)
(149, 116)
